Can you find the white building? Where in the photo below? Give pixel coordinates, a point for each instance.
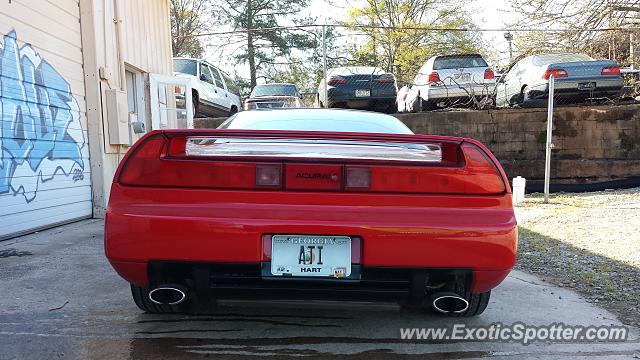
(74, 94)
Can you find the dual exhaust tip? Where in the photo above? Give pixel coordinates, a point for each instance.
(169, 294)
(444, 302)
(449, 303)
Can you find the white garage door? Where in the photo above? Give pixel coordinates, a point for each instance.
(44, 155)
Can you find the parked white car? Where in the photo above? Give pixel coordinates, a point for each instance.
(214, 93)
(451, 80)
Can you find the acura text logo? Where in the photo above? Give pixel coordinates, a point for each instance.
(319, 176)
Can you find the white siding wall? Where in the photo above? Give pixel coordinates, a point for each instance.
(44, 152)
(146, 48)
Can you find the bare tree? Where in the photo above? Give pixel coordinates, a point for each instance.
(576, 25)
(186, 21)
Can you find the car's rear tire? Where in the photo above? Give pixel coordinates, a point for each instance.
(195, 100)
(392, 108)
(477, 304)
(141, 298)
(427, 105)
(233, 110)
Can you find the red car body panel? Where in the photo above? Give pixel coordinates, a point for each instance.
(471, 231)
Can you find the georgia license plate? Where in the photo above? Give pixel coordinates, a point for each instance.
(363, 93)
(308, 255)
(586, 86)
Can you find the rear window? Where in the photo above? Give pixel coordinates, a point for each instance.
(185, 66)
(275, 90)
(459, 62)
(559, 58)
(356, 70)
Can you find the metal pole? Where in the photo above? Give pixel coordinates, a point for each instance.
(549, 144)
(324, 65)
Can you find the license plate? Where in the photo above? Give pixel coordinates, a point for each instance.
(307, 255)
(363, 93)
(586, 86)
(462, 76)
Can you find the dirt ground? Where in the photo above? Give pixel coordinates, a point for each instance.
(589, 242)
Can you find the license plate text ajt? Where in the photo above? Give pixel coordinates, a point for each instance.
(309, 255)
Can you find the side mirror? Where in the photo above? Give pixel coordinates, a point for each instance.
(202, 77)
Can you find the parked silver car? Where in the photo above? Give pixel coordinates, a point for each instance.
(450, 80)
(577, 77)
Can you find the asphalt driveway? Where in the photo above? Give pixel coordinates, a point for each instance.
(60, 299)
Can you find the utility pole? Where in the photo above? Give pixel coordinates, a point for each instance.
(324, 64)
(509, 37)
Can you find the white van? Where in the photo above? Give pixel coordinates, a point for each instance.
(214, 93)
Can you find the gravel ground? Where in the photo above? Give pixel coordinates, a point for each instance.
(589, 242)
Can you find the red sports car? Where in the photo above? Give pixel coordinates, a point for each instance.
(310, 204)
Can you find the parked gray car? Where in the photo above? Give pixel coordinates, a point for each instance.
(577, 77)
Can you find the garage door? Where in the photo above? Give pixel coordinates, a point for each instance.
(44, 156)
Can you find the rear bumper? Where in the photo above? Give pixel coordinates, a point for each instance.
(476, 233)
(248, 281)
(569, 88)
(337, 95)
(454, 91)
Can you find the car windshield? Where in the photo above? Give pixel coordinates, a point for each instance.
(185, 66)
(275, 90)
(459, 62)
(559, 58)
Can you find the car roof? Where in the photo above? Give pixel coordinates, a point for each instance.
(314, 119)
(288, 84)
(356, 70)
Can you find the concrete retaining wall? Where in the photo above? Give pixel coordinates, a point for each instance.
(592, 144)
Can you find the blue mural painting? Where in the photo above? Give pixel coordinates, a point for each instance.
(40, 133)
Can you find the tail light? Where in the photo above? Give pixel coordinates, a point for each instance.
(336, 80)
(557, 73)
(386, 79)
(488, 74)
(610, 70)
(161, 160)
(479, 175)
(434, 77)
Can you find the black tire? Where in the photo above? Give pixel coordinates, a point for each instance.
(141, 298)
(426, 105)
(195, 100)
(392, 108)
(477, 303)
(233, 110)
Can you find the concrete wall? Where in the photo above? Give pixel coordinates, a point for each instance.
(592, 144)
(145, 49)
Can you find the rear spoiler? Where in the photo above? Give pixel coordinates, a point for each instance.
(170, 145)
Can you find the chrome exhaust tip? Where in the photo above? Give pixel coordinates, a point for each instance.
(168, 295)
(449, 303)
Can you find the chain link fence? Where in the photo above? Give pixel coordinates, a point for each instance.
(474, 72)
